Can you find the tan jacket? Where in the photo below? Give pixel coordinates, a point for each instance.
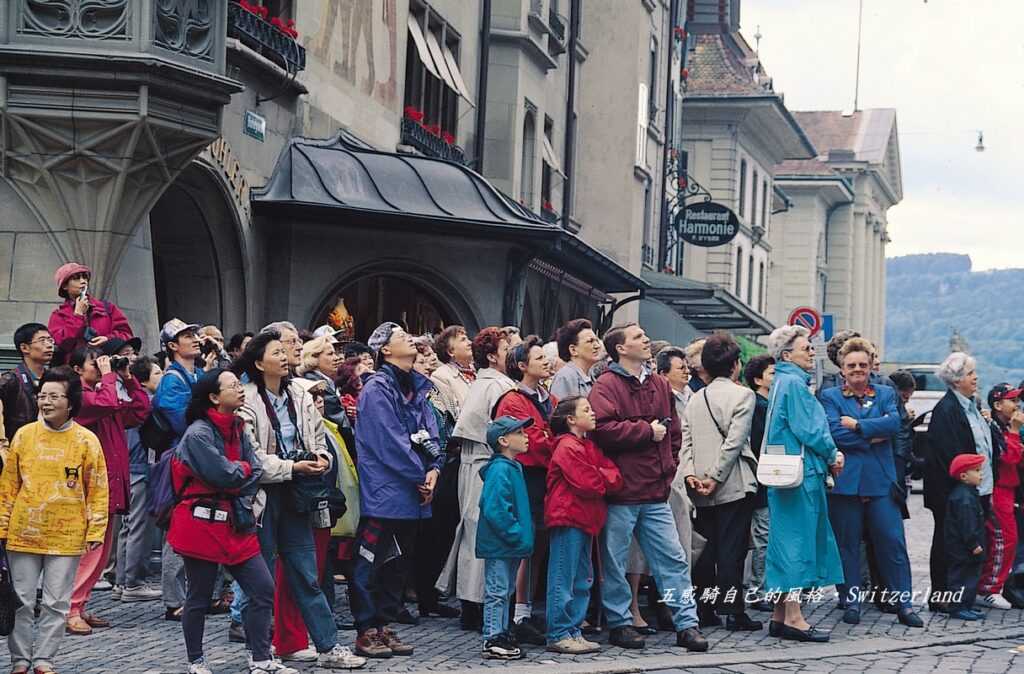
(705, 453)
(261, 432)
(449, 382)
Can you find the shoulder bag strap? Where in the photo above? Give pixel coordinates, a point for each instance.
(712, 414)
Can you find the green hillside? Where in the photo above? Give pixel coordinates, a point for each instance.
(930, 296)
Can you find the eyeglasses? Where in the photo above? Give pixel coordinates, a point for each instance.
(237, 385)
(858, 366)
(44, 341)
(50, 397)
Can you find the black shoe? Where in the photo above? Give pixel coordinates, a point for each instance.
(762, 605)
(236, 633)
(591, 630)
(741, 622)
(625, 637)
(810, 634)
(852, 616)
(440, 610)
(664, 615)
(910, 618)
(406, 618)
(526, 632)
(708, 618)
(692, 640)
(502, 647)
(472, 617)
(646, 630)
(774, 628)
(1014, 595)
(173, 614)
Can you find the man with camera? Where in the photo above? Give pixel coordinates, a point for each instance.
(111, 401)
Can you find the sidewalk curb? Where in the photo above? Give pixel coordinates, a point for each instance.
(798, 653)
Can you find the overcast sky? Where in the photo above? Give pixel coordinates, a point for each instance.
(950, 68)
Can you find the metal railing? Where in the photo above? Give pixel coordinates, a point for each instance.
(265, 39)
(415, 135)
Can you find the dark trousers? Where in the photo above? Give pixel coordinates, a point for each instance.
(384, 550)
(963, 573)
(254, 578)
(881, 514)
(937, 556)
(720, 567)
(436, 535)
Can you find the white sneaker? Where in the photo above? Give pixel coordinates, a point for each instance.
(199, 667)
(140, 593)
(270, 667)
(305, 655)
(102, 585)
(116, 592)
(992, 601)
(340, 657)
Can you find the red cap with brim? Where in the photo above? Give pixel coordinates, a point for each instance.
(66, 271)
(963, 463)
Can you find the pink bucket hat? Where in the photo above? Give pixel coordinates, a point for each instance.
(66, 271)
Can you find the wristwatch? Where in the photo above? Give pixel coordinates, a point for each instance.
(856, 426)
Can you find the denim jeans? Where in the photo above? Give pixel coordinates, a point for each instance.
(570, 576)
(655, 529)
(499, 583)
(380, 571)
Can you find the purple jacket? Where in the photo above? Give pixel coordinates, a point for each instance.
(390, 469)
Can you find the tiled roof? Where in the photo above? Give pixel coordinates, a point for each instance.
(865, 132)
(717, 69)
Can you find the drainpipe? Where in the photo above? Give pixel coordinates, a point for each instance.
(570, 117)
(670, 134)
(481, 87)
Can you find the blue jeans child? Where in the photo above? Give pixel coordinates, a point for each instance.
(570, 576)
(499, 582)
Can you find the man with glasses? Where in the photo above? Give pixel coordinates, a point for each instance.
(18, 386)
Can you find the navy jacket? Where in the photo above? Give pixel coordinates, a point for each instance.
(964, 524)
(870, 469)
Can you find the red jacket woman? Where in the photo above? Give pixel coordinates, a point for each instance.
(579, 476)
(82, 321)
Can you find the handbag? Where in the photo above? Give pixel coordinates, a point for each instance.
(776, 468)
(9, 602)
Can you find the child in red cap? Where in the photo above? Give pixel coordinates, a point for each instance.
(965, 535)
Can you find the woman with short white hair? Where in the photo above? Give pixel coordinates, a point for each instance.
(956, 427)
(802, 551)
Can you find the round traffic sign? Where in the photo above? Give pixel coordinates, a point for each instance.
(806, 317)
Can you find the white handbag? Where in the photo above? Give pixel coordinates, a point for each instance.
(775, 468)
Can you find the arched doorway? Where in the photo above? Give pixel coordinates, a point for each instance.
(420, 301)
(197, 253)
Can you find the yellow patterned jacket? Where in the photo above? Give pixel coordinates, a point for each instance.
(53, 491)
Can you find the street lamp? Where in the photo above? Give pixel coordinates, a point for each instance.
(980, 147)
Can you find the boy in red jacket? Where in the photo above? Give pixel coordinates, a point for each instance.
(579, 476)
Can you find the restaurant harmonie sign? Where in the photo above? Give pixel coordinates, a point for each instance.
(707, 224)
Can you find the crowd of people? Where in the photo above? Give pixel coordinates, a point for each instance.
(472, 475)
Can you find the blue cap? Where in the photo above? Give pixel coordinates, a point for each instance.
(502, 426)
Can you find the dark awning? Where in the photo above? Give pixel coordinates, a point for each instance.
(318, 179)
(706, 306)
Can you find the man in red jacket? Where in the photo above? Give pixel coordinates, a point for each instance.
(638, 429)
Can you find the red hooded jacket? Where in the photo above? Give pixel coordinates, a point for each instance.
(579, 476)
(68, 328)
(519, 405)
(625, 409)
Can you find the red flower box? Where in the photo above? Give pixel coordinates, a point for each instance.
(548, 206)
(433, 129)
(447, 137)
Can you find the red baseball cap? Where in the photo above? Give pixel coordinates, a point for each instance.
(962, 463)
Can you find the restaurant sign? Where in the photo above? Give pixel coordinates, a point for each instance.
(707, 224)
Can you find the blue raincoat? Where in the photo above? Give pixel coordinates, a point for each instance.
(802, 551)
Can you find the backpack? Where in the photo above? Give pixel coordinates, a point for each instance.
(156, 432)
(161, 497)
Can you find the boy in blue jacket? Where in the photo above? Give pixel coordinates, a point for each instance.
(504, 534)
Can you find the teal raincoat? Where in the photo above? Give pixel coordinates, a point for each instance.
(802, 551)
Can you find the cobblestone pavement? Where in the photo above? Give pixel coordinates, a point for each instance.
(141, 642)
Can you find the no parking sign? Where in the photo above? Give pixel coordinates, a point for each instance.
(806, 317)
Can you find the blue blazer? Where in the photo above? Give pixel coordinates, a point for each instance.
(870, 469)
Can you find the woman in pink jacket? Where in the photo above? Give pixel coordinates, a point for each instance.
(82, 319)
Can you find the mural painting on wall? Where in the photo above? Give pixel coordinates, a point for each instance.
(357, 38)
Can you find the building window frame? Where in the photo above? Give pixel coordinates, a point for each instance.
(425, 92)
(528, 157)
(753, 200)
(764, 204)
(738, 285)
(742, 201)
(761, 289)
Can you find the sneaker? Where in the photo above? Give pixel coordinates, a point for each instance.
(199, 667)
(568, 646)
(391, 640)
(340, 657)
(138, 593)
(369, 644)
(527, 633)
(964, 614)
(116, 592)
(305, 655)
(993, 601)
(102, 585)
(501, 648)
(271, 666)
(593, 645)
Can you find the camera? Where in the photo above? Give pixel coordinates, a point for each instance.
(208, 346)
(119, 363)
(300, 456)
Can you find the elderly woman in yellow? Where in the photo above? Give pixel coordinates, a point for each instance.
(53, 504)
